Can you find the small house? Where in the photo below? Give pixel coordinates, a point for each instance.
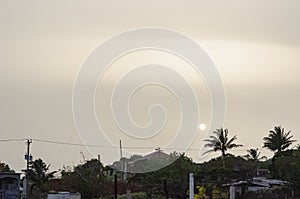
(9, 185)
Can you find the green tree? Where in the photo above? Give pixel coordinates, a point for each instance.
(5, 168)
(89, 179)
(254, 155)
(221, 142)
(287, 166)
(176, 176)
(39, 177)
(236, 168)
(277, 140)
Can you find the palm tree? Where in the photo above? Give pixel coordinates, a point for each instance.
(254, 155)
(278, 140)
(221, 142)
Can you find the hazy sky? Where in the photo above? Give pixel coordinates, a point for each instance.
(255, 46)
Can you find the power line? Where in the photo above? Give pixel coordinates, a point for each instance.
(102, 146)
(87, 145)
(13, 140)
(124, 147)
(72, 144)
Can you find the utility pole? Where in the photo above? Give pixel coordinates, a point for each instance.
(124, 170)
(121, 157)
(121, 153)
(28, 158)
(122, 160)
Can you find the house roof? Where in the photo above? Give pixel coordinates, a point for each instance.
(238, 183)
(9, 175)
(262, 182)
(270, 181)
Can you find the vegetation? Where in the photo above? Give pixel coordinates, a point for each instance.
(286, 167)
(221, 142)
(175, 176)
(137, 195)
(237, 168)
(94, 181)
(5, 168)
(89, 179)
(278, 140)
(39, 177)
(254, 155)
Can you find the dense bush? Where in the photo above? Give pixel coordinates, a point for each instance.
(138, 195)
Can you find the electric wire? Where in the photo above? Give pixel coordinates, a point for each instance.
(102, 146)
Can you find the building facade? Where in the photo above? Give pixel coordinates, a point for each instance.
(9, 185)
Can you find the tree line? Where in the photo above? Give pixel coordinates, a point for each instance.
(94, 180)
